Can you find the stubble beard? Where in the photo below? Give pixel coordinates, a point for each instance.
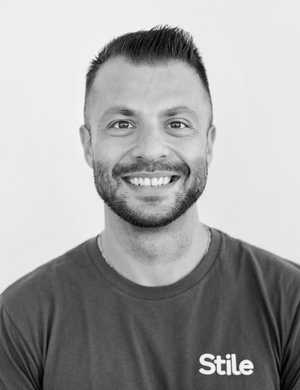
(107, 188)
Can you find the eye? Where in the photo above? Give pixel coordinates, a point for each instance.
(180, 128)
(122, 124)
(178, 125)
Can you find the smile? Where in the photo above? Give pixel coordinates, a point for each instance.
(151, 182)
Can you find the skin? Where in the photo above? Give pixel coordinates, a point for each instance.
(152, 237)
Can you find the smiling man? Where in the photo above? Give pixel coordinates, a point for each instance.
(148, 137)
(158, 300)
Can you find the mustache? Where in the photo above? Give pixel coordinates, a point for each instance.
(144, 166)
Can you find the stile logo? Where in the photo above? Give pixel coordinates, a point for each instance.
(211, 364)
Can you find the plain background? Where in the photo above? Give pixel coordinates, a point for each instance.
(251, 50)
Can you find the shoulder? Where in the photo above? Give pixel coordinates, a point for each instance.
(246, 251)
(267, 269)
(38, 287)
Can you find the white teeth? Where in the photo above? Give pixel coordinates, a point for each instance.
(147, 181)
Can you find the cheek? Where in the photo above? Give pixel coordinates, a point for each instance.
(198, 164)
(106, 154)
(193, 153)
(110, 148)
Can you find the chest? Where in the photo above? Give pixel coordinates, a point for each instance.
(199, 342)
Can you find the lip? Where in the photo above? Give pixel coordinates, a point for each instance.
(151, 188)
(151, 174)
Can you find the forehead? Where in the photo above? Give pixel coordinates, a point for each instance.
(146, 87)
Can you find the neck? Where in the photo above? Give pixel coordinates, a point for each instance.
(154, 257)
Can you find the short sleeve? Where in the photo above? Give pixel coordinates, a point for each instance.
(18, 368)
(290, 366)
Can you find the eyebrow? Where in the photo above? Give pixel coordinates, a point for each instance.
(126, 111)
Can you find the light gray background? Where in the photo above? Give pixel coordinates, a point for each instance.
(251, 50)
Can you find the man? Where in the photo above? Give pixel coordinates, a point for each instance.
(158, 300)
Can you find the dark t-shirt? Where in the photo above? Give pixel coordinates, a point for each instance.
(232, 323)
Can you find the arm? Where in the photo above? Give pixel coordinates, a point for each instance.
(290, 365)
(19, 367)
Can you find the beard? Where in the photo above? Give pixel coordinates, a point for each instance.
(108, 185)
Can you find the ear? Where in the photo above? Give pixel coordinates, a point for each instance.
(86, 140)
(211, 136)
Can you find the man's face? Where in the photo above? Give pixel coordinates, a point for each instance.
(151, 139)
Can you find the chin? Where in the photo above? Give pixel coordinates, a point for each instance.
(151, 213)
(142, 219)
(149, 222)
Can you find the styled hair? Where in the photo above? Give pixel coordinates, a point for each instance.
(159, 44)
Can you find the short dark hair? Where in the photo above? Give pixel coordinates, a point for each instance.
(159, 44)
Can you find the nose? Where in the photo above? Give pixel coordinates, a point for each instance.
(150, 144)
